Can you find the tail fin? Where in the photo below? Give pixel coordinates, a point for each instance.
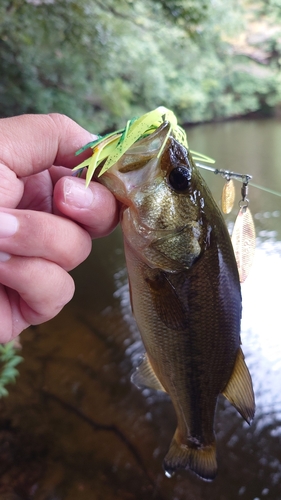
(202, 461)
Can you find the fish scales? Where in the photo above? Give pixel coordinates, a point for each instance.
(185, 295)
(196, 359)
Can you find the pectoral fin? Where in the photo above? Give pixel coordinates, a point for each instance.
(239, 390)
(144, 376)
(168, 306)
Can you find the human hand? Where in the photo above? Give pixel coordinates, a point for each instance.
(47, 217)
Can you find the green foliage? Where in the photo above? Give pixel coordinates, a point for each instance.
(272, 8)
(104, 61)
(8, 362)
(188, 13)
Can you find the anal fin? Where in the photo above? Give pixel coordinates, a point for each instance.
(144, 376)
(239, 390)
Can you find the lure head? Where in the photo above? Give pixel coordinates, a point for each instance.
(109, 149)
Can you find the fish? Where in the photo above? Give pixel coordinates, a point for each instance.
(185, 293)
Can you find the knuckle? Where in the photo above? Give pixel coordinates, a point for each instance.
(61, 121)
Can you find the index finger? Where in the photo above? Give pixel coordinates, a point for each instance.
(32, 143)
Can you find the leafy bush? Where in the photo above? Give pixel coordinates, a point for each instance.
(102, 62)
(8, 362)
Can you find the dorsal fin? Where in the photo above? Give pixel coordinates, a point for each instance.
(144, 376)
(239, 390)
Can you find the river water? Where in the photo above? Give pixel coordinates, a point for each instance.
(74, 427)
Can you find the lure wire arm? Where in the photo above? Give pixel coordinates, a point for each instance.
(227, 174)
(244, 178)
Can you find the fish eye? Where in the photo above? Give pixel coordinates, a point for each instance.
(179, 178)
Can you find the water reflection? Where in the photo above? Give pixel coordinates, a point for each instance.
(261, 323)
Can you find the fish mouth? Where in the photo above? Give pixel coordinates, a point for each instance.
(139, 168)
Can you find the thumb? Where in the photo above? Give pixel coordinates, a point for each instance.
(94, 208)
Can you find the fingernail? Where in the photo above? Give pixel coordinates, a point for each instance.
(4, 256)
(76, 193)
(8, 225)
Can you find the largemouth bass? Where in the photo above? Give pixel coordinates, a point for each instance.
(185, 293)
